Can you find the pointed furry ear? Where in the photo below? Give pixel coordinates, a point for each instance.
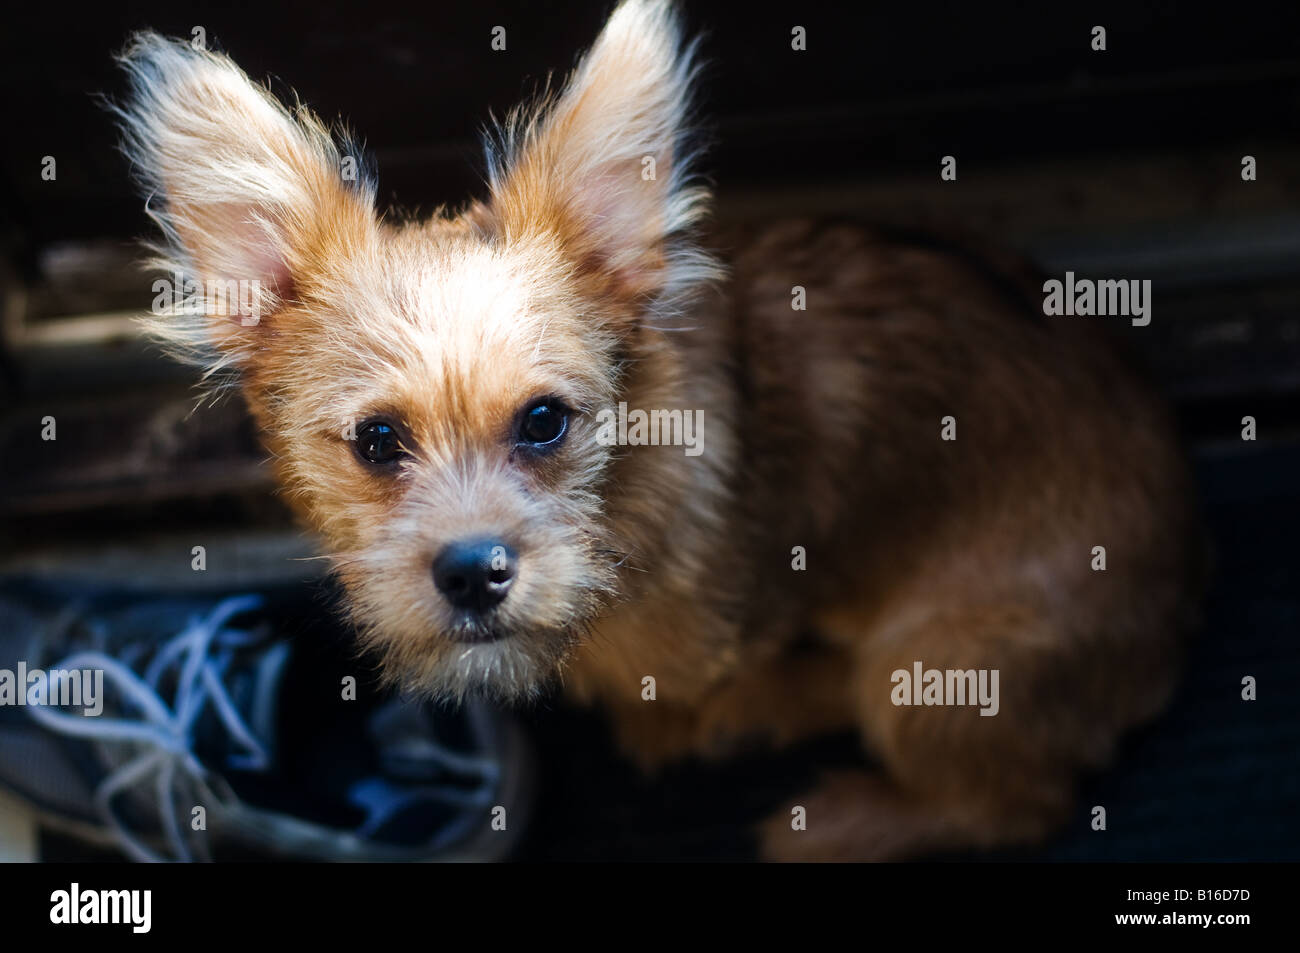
(250, 199)
(603, 168)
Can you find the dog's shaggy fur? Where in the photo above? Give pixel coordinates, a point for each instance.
(583, 278)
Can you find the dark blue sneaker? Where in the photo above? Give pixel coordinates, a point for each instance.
(238, 728)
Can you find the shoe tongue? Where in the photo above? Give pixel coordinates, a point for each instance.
(426, 786)
(400, 733)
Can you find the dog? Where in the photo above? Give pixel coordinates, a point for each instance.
(912, 504)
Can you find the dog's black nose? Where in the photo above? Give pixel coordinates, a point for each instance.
(475, 574)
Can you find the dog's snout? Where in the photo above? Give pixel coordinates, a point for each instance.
(475, 574)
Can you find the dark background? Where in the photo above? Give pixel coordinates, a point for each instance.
(881, 90)
(1123, 163)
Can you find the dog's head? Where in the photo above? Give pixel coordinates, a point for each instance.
(429, 390)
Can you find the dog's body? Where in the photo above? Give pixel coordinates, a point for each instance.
(917, 468)
(971, 553)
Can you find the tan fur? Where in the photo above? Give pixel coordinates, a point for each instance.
(581, 277)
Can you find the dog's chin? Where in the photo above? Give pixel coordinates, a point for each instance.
(505, 666)
(477, 630)
(475, 657)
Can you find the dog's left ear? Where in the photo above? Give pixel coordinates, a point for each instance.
(602, 168)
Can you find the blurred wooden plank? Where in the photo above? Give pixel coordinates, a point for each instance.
(18, 831)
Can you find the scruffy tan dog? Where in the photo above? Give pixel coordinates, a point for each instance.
(552, 439)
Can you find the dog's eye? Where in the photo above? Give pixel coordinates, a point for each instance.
(544, 423)
(378, 442)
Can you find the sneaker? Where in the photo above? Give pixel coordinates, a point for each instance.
(241, 727)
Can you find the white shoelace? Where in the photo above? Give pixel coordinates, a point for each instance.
(202, 651)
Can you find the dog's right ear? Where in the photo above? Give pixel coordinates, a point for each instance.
(251, 199)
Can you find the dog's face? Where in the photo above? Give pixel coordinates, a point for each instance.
(429, 391)
(433, 414)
